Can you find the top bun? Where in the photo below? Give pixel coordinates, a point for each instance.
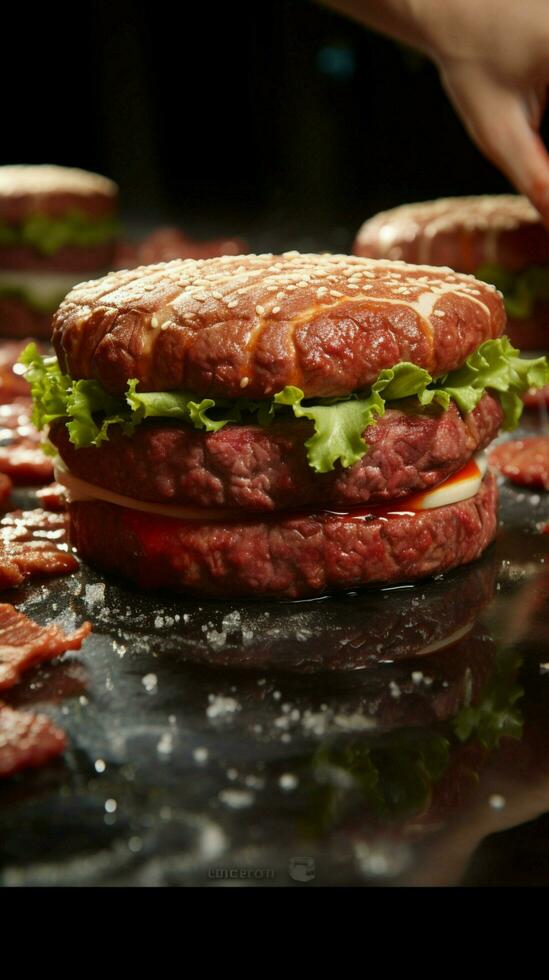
(251, 324)
(462, 232)
(48, 189)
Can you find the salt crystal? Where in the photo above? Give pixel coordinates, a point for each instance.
(287, 781)
(94, 593)
(150, 683)
(236, 799)
(165, 745)
(497, 802)
(221, 707)
(231, 621)
(216, 639)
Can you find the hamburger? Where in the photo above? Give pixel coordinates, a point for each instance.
(500, 239)
(279, 426)
(57, 226)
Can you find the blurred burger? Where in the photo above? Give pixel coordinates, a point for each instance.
(499, 239)
(279, 426)
(57, 227)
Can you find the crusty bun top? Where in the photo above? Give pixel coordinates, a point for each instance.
(251, 324)
(48, 189)
(462, 232)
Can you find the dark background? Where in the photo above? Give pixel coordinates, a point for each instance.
(277, 118)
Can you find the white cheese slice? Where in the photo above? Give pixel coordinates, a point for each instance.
(464, 484)
(82, 490)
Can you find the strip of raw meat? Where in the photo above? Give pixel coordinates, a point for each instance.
(27, 740)
(24, 643)
(33, 543)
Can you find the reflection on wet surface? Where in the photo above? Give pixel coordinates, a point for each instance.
(347, 770)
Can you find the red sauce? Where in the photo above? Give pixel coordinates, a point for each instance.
(156, 530)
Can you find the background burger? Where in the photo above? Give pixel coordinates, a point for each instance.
(500, 239)
(279, 426)
(57, 227)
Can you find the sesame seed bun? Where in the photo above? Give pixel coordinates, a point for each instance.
(51, 190)
(462, 232)
(249, 325)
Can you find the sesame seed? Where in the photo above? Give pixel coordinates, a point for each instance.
(244, 382)
(275, 309)
(154, 322)
(260, 310)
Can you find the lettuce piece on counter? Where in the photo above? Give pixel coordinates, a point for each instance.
(339, 424)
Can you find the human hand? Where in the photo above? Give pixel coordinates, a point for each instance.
(493, 57)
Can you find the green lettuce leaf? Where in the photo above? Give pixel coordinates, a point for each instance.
(521, 290)
(495, 714)
(339, 424)
(496, 366)
(338, 427)
(48, 234)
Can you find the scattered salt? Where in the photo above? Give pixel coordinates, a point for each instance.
(221, 707)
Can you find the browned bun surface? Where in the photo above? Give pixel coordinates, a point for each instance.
(251, 324)
(51, 190)
(17, 319)
(462, 232)
(265, 469)
(289, 556)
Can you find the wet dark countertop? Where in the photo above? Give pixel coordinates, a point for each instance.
(342, 770)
